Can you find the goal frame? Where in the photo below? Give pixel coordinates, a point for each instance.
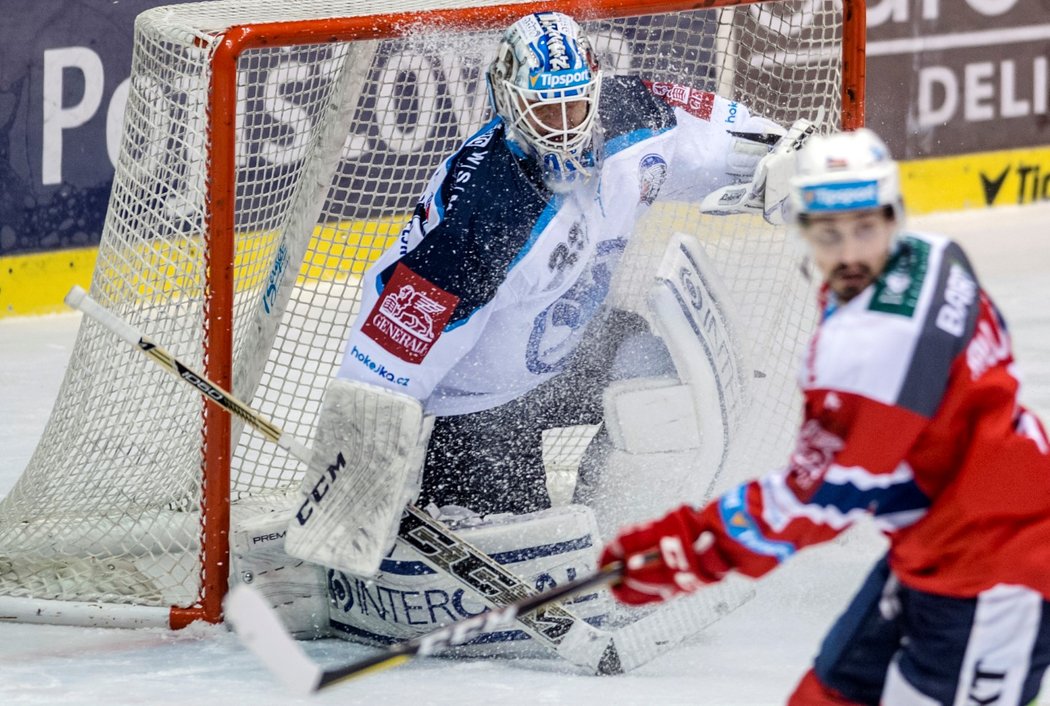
(218, 238)
(221, 185)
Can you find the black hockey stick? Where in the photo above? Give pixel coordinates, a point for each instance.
(261, 631)
(435, 543)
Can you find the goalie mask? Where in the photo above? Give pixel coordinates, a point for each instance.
(844, 172)
(544, 83)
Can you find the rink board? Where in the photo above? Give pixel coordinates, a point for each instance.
(36, 283)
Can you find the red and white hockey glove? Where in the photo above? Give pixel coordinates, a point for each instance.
(682, 557)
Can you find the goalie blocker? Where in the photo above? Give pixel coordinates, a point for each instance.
(371, 443)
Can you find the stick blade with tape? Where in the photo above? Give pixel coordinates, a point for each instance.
(260, 630)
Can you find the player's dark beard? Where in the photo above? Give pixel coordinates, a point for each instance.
(847, 281)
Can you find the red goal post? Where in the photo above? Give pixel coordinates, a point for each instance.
(194, 271)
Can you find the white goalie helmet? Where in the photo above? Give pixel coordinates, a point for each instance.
(842, 172)
(545, 83)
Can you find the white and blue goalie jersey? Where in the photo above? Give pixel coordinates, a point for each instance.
(492, 284)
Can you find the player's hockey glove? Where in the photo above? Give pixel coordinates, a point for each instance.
(665, 557)
(768, 189)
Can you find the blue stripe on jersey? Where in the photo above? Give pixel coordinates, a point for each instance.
(456, 324)
(418, 568)
(515, 149)
(622, 142)
(900, 497)
(438, 203)
(742, 527)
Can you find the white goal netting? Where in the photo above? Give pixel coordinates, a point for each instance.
(333, 144)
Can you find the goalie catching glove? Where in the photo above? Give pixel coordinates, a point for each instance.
(768, 189)
(675, 554)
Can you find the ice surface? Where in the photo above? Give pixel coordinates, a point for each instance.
(751, 658)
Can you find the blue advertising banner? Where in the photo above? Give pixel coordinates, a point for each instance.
(63, 84)
(975, 77)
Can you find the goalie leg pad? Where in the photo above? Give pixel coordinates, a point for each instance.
(293, 587)
(368, 455)
(668, 440)
(408, 599)
(692, 312)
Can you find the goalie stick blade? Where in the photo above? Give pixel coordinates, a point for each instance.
(450, 548)
(260, 630)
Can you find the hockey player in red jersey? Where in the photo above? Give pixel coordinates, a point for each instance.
(912, 417)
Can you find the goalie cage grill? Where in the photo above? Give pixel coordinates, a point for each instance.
(270, 152)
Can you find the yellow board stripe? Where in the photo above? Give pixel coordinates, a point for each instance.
(1010, 177)
(36, 283)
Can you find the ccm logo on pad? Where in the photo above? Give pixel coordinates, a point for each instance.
(410, 315)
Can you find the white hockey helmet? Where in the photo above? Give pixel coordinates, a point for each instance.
(843, 172)
(544, 70)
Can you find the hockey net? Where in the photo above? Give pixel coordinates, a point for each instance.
(270, 152)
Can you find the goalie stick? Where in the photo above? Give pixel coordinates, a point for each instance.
(601, 651)
(552, 625)
(261, 631)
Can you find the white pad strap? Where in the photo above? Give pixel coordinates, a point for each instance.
(650, 415)
(368, 455)
(691, 311)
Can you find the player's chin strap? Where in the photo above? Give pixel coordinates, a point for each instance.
(600, 651)
(766, 194)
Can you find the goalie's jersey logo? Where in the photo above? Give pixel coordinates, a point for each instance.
(558, 329)
(409, 316)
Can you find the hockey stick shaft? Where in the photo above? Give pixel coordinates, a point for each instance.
(77, 298)
(436, 544)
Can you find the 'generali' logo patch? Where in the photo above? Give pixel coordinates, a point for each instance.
(410, 315)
